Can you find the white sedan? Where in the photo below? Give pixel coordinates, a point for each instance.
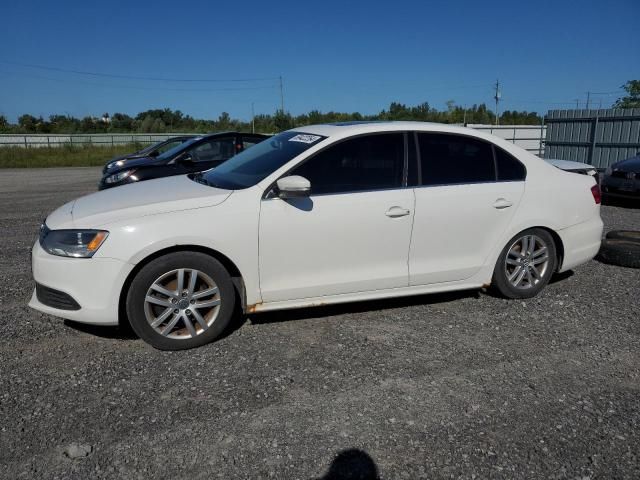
(316, 215)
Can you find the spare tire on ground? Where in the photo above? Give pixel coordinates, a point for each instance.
(624, 235)
(621, 252)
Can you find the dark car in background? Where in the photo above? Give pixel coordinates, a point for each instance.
(152, 150)
(193, 155)
(622, 179)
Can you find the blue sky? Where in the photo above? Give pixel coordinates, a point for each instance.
(344, 56)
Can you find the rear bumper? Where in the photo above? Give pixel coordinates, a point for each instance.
(581, 242)
(93, 283)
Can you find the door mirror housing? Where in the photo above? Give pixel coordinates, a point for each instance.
(186, 158)
(293, 186)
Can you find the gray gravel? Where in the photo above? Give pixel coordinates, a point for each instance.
(440, 386)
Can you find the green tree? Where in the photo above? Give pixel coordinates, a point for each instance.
(27, 123)
(157, 126)
(632, 99)
(147, 124)
(282, 121)
(4, 124)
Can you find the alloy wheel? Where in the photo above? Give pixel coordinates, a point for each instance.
(527, 262)
(182, 304)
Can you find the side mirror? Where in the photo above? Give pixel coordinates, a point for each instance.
(154, 154)
(293, 186)
(186, 158)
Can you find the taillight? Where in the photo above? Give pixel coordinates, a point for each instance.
(597, 195)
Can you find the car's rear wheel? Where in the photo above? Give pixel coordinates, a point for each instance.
(181, 300)
(525, 265)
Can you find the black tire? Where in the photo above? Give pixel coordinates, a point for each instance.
(620, 252)
(500, 282)
(630, 235)
(135, 302)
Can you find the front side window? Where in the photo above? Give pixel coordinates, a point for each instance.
(214, 150)
(371, 162)
(452, 159)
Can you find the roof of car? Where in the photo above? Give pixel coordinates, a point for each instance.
(354, 128)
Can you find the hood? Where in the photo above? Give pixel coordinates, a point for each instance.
(132, 161)
(150, 197)
(629, 165)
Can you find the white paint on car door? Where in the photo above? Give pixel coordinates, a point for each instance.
(333, 244)
(456, 227)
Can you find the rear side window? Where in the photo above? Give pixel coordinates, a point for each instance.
(371, 162)
(450, 159)
(509, 168)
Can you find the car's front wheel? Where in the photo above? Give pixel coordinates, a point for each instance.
(525, 265)
(181, 300)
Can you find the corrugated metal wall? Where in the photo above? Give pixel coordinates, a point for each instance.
(598, 137)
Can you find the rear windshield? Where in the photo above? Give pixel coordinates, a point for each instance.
(254, 164)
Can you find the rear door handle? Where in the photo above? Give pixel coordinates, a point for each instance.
(395, 212)
(501, 203)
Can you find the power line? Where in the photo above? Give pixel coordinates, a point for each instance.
(136, 87)
(136, 77)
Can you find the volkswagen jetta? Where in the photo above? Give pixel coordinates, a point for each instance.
(315, 215)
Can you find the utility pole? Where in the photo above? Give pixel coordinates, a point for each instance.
(588, 99)
(281, 96)
(253, 119)
(577, 103)
(497, 99)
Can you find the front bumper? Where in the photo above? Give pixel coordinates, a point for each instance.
(94, 283)
(581, 242)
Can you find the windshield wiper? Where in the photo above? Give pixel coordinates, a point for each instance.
(199, 177)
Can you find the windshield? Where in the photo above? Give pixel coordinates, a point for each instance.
(151, 147)
(177, 149)
(254, 164)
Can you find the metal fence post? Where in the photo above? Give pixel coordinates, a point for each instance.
(541, 137)
(594, 127)
(25, 142)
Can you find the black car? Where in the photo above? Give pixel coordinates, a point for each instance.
(194, 155)
(622, 179)
(152, 150)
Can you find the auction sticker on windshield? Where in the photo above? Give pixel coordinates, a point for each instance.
(305, 138)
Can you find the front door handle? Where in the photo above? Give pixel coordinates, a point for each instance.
(501, 203)
(395, 212)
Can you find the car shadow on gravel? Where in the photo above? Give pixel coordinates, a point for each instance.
(123, 332)
(628, 203)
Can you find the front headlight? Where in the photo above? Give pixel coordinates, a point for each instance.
(72, 243)
(114, 164)
(120, 176)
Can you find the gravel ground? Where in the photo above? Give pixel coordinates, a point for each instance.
(443, 386)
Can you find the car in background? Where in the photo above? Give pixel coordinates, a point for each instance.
(575, 167)
(193, 155)
(622, 179)
(152, 150)
(316, 215)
